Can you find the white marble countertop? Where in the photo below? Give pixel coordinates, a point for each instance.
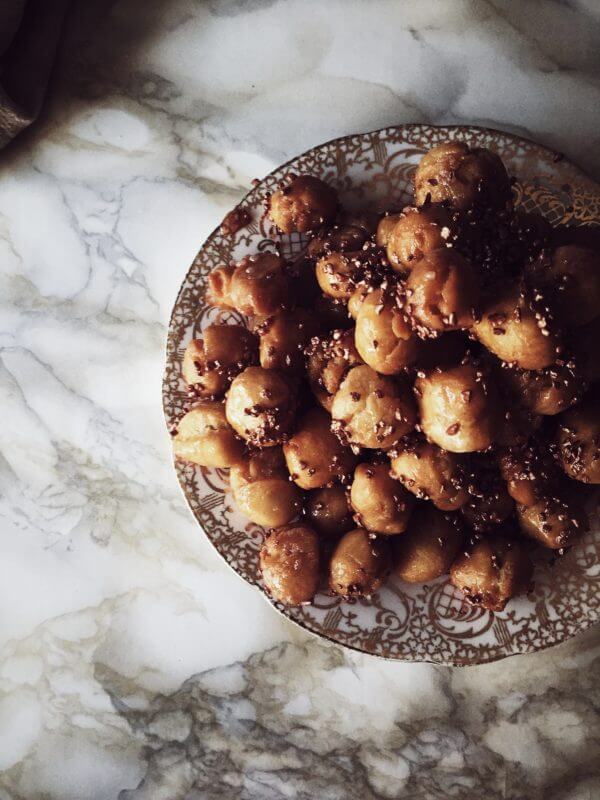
(134, 664)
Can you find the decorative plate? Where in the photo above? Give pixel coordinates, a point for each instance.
(428, 622)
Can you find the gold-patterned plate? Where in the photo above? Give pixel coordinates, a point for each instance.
(428, 622)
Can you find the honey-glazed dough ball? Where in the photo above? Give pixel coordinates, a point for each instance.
(284, 337)
(262, 490)
(511, 329)
(344, 238)
(355, 301)
(314, 455)
(372, 410)
(306, 203)
(329, 360)
(489, 502)
(442, 292)
(548, 391)
(289, 561)
(260, 406)
(385, 228)
(584, 343)
(459, 408)
(555, 521)
(383, 336)
(381, 503)
(430, 473)
(338, 273)
(418, 232)
(578, 440)
(257, 285)
(204, 437)
(462, 176)
(495, 570)
(359, 564)
(329, 511)
(428, 547)
(529, 472)
(210, 363)
(570, 276)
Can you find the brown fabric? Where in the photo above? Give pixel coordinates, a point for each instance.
(29, 31)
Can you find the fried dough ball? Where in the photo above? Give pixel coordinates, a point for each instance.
(337, 274)
(355, 301)
(553, 521)
(328, 362)
(382, 504)
(329, 512)
(289, 561)
(462, 176)
(495, 570)
(442, 292)
(385, 228)
(260, 406)
(459, 408)
(359, 564)
(428, 547)
(210, 364)
(262, 490)
(586, 351)
(283, 339)
(204, 437)
(304, 204)
(345, 238)
(430, 473)
(257, 285)
(548, 391)
(384, 337)
(578, 440)
(528, 472)
(571, 278)
(372, 410)
(516, 333)
(489, 502)
(418, 232)
(314, 455)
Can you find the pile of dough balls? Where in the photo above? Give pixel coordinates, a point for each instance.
(414, 395)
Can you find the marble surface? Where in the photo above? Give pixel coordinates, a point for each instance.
(133, 663)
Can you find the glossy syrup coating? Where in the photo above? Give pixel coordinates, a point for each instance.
(556, 521)
(304, 204)
(261, 406)
(262, 490)
(417, 233)
(570, 277)
(429, 546)
(528, 470)
(578, 440)
(459, 408)
(347, 237)
(518, 332)
(382, 504)
(385, 227)
(328, 361)
(383, 336)
(284, 338)
(204, 437)
(548, 391)
(442, 292)
(359, 564)
(329, 512)
(492, 572)
(314, 455)
(258, 285)
(462, 176)
(289, 561)
(210, 363)
(338, 273)
(489, 502)
(429, 472)
(372, 410)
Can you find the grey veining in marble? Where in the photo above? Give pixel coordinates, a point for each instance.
(133, 664)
